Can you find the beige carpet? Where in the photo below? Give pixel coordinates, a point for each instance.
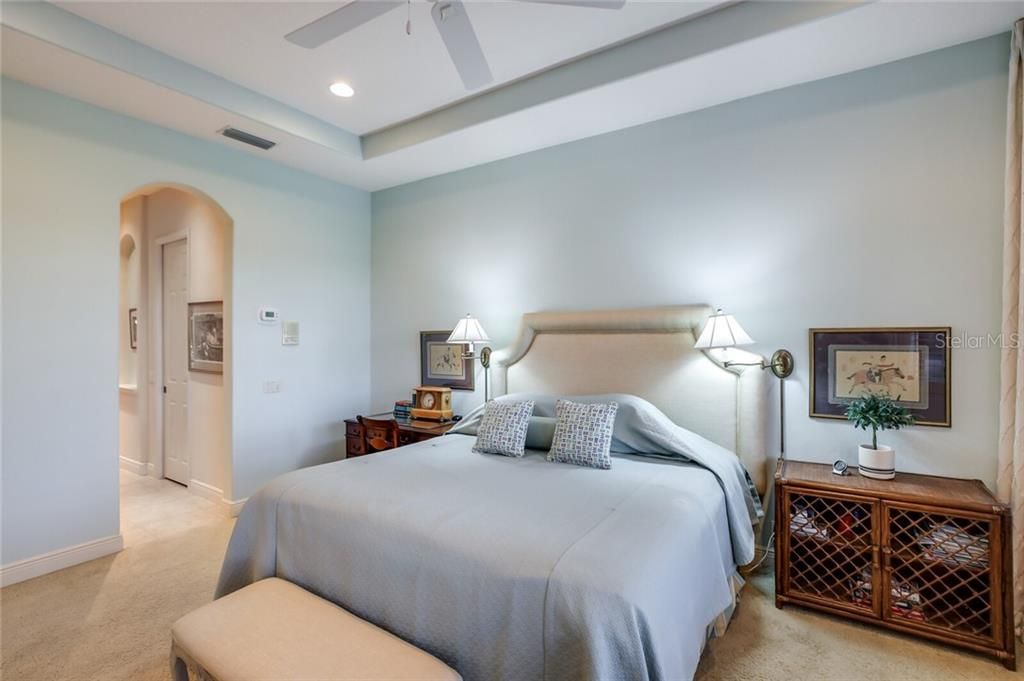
(767, 644)
(109, 619)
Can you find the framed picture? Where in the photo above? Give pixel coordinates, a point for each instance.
(909, 364)
(206, 337)
(133, 328)
(441, 362)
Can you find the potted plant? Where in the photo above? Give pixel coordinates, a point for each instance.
(877, 412)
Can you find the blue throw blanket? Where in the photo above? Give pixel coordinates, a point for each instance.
(516, 569)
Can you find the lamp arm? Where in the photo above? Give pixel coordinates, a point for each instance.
(781, 363)
(485, 362)
(762, 364)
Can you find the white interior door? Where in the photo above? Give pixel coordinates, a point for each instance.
(175, 360)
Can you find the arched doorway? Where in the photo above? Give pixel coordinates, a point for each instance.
(175, 340)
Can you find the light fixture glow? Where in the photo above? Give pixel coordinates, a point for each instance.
(342, 89)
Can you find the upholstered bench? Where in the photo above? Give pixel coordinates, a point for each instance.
(275, 631)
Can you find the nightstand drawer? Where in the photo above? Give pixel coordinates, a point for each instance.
(355, 446)
(353, 430)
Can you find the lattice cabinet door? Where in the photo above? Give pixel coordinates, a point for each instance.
(831, 545)
(941, 572)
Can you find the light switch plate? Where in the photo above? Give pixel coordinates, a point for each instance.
(290, 333)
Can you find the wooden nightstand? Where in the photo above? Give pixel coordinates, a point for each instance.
(920, 554)
(409, 431)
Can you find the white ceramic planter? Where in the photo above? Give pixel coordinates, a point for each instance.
(877, 463)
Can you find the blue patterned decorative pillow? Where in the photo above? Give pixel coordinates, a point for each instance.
(583, 433)
(503, 428)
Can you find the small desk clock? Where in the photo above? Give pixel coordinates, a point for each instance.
(840, 467)
(433, 403)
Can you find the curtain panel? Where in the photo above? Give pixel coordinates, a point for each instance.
(1010, 474)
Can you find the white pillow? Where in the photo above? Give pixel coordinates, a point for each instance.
(503, 428)
(583, 433)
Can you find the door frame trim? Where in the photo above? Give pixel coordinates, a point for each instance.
(156, 345)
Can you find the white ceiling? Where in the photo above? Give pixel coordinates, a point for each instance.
(396, 76)
(277, 90)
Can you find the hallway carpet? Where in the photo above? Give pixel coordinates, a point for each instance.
(109, 619)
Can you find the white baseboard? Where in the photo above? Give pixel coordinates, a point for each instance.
(46, 563)
(133, 466)
(200, 488)
(235, 507)
(151, 468)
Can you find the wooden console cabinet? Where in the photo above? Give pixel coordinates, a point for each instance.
(920, 554)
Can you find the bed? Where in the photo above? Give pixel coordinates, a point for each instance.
(524, 570)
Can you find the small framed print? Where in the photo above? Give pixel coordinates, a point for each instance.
(206, 337)
(133, 328)
(909, 364)
(441, 362)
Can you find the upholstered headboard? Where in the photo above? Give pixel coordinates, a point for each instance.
(646, 352)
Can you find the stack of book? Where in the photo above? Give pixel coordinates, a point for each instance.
(802, 523)
(953, 546)
(906, 600)
(904, 597)
(860, 589)
(403, 410)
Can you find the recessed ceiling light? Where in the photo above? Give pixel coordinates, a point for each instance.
(342, 89)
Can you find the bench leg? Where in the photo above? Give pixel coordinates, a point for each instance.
(179, 669)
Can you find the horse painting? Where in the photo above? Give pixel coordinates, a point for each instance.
(887, 379)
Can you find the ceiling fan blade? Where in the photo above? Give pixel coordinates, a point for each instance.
(342, 20)
(460, 39)
(595, 4)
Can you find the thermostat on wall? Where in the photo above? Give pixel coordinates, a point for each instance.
(269, 315)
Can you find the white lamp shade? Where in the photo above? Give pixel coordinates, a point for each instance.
(469, 331)
(722, 331)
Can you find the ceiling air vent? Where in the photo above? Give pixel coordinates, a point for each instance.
(247, 138)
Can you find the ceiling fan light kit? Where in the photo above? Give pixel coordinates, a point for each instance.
(452, 22)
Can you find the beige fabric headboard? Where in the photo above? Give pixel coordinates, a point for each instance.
(646, 352)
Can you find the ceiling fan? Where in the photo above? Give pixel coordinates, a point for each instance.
(449, 16)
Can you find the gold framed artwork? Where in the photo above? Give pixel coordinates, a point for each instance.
(442, 364)
(206, 337)
(909, 364)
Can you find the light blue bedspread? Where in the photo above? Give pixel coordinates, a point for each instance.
(509, 569)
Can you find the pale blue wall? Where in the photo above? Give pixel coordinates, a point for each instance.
(301, 243)
(873, 198)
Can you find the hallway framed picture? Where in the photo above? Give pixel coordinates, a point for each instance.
(206, 336)
(909, 364)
